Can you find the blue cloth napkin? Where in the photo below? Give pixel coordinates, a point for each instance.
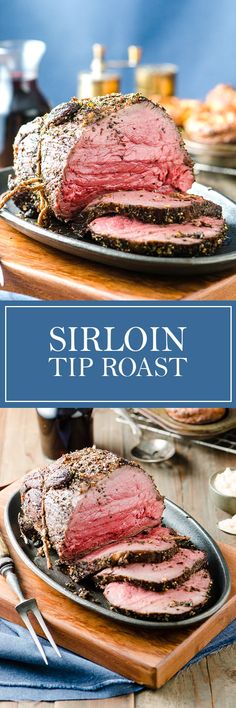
(23, 676)
(5, 295)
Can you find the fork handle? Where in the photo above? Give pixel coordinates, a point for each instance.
(3, 547)
(12, 580)
(6, 562)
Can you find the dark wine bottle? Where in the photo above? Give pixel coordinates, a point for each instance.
(20, 97)
(64, 430)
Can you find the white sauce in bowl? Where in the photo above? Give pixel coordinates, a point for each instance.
(228, 525)
(225, 482)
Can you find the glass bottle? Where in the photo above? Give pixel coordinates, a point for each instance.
(20, 97)
(64, 430)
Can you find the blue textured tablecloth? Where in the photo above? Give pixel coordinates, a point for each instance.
(24, 677)
(5, 295)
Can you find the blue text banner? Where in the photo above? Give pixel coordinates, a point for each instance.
(131, 354)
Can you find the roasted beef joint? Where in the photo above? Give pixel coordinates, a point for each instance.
(115, 170)
(101, 517)
(88, 499)
(82, 149)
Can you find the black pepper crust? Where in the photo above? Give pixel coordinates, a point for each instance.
(178, 248)
(87, 466)
(90, 110)
(101, 580)
(160, 214)
(167, 617)
(83, 568)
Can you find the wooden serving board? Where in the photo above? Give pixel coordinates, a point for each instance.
(33, 269)
(147, 657)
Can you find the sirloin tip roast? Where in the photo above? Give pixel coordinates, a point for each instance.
(88, 499)
(102, 515)
(119, 157)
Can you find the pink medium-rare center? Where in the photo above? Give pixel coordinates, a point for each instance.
(137, 149)
(120, 506)
(122, 227)
(181, 601)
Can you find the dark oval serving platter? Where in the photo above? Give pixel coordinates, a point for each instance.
(175, 517)
(223, 260)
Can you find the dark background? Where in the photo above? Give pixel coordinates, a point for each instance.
(198, 35)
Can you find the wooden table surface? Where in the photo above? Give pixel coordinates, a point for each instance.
(39, 271)
(184, 479)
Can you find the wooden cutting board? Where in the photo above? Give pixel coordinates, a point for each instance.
(36, 270)
(148, 657)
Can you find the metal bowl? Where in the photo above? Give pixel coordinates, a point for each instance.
(222, 501)
(219, 154)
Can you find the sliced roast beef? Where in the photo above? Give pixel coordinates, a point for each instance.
(156, 576)
(88, 147)
(173, 604)
(88, 499)
(152, 207)
(149, 546)
(198, 237)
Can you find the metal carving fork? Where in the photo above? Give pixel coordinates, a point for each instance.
(7, 570)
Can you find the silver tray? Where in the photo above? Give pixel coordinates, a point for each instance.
(224, 259)
(174, 517)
